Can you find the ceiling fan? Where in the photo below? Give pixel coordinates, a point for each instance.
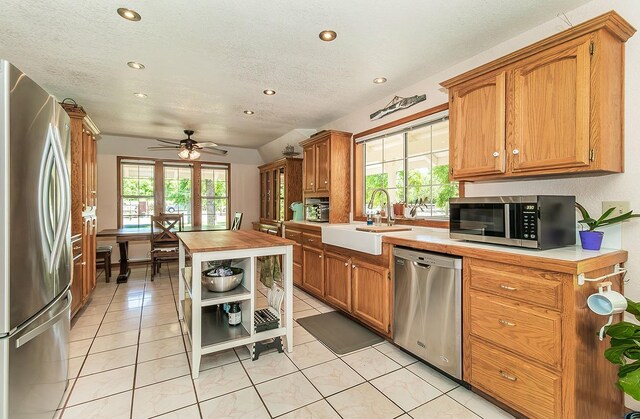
(189, 149)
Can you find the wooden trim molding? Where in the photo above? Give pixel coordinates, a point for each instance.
(358, 162)
(402, 121)
(196, 210)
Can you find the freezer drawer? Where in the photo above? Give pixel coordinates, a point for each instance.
(427, 308)
(37, 362)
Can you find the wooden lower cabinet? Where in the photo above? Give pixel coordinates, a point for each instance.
(371, 290)
(313, 271)
(89, 256)
(77, 278)
(530, 342)
(338, 280)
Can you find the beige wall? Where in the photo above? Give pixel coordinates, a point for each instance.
(245, 185)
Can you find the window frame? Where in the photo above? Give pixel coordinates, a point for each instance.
(121, 197)
(196, 210)
(359, 168)
(215, 166)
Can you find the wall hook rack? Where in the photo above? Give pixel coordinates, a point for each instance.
(617, 271)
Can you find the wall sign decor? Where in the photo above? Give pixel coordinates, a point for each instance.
(396, 104)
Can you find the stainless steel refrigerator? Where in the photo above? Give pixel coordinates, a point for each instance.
(35, 248)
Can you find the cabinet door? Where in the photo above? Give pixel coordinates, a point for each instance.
(76, 284)
(338, 280)
(263, 195)
(313, 271)
(309, 171)
(86, 263)
(550, 108)
(371, 294)
(323, 166)
(297, 274)
(477, 127)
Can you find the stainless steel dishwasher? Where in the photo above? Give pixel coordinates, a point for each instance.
(428, 308)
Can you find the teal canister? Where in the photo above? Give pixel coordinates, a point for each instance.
(297, 208)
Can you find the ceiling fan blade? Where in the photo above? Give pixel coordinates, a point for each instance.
(168, 142)
(164, 148)
(206, 144)
(216, 151)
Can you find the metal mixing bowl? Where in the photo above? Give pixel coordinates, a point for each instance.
(222, 283)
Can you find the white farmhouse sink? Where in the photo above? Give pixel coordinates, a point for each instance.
(346, 235)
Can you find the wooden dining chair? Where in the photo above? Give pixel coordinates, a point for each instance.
(237, 220)
(164, 241)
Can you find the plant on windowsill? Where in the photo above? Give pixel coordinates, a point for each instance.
(592, 239)
(625, 352)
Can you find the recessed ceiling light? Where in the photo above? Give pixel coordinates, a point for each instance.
(129, 14)
(269, 92)
(328, 36)
(137, 66)
(140, 95)
(379, 80)
(248, 112)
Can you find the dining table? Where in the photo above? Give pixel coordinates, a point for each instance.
(136, 233)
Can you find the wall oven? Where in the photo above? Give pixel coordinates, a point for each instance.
(535, 221)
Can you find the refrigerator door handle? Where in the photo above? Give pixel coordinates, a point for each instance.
(54, 236)
(23, 340)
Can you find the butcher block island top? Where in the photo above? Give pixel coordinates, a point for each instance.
(216, 241)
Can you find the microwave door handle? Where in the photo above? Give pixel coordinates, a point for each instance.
(507, 221)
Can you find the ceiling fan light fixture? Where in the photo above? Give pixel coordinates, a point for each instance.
(184, 154)
(269, 92)
(136, 65)
(380, 80)
(194, 155)
(328, 36)
(129, 14)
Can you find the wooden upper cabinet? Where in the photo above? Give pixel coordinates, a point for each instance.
(327, 171)
(550, 108)
(553, 108)
(477, 127)
(323, 166)
(309, 158)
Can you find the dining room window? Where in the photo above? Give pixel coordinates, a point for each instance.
(197, 190)
(412, 163)
(214, 193)
(137, 193)
(178, 191)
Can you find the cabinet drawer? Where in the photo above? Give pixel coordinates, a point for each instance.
(312, 240)
(535, 286)
(526, 387)
(76, 247)
(528, 332)
(294, 235)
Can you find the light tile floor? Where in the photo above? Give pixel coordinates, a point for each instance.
(130, 359)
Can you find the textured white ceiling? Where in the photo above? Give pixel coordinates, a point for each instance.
(207, 61)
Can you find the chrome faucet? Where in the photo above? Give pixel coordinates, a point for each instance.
(390, 218)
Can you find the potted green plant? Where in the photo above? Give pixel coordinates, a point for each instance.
(625, 352)
(592, 239)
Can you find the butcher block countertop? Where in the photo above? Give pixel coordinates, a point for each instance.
(212, 241)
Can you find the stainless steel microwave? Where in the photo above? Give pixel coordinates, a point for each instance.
(535, 221)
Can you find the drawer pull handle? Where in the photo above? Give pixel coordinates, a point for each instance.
(76, 247)
(309, 240)
(508, 288)
(508, 376)
(346, 264)
(506, 322)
